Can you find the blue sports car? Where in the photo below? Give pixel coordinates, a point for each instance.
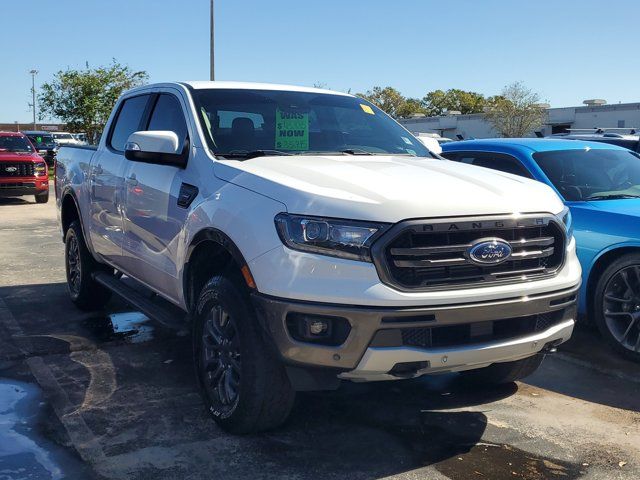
(600, 183)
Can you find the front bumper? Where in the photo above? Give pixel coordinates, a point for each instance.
(17, 188)
(376, 342)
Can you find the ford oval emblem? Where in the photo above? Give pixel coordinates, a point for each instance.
(10, 169)
(489, 251)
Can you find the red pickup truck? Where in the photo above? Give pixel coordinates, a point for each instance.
(22, 170)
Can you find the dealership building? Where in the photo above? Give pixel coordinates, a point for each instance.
(594, 114)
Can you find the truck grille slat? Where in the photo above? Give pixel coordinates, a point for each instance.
(421, 255)
(17, 169)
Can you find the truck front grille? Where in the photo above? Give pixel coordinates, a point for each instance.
(17, 169)
(421, 255)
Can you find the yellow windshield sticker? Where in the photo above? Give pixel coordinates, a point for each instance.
(367, 109)
(292, 130)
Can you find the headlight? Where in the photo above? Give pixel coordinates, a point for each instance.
(328, 236)
(40, 169)
(567, 221)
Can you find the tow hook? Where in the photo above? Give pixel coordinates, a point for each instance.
(551, 347)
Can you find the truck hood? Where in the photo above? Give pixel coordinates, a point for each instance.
(386, 188)
(18, 157)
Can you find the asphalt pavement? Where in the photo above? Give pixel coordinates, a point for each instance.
(112, 394)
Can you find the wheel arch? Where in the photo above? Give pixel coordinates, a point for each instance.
(212, 252)
(599, 265)
(69, 211)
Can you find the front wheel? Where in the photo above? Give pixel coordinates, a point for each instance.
(243, 383)
(617, 306)
(504, 372)
(42, 197)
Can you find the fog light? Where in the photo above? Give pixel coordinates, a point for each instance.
(318, 327)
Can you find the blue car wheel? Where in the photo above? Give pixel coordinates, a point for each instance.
(617, 305)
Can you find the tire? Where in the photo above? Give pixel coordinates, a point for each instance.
(616, 310)
(504, 372)
(243, 383)
(80, 265)
(42, 197)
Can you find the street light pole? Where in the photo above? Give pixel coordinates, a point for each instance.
(211, 47)
(33, 95)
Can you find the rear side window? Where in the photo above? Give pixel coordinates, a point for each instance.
(128, 121)
(496, 161)
(168, 115)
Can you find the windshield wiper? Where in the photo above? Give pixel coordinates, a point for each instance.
(356, 151)
(252, 154)
(612, 196)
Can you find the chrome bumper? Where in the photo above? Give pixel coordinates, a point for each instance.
(378, 361)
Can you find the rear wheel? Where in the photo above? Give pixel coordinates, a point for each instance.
(84, 291)
(243, 383)
(617, 306)
(42, 197)
(504, 372)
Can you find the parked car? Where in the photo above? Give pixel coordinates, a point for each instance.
(64, 138)
(44, 143)
(22, 170)
(81, 138)
(600, 183)
(312, 239)
(622, 137)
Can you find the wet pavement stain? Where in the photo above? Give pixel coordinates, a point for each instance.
(502, 462)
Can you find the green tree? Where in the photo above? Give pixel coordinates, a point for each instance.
(387, 99)
(516, 112)
(438, 102)
(83, 99)
(410, 107)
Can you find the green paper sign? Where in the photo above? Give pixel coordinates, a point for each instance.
(292, 130)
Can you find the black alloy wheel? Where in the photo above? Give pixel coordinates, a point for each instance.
(621, 307)
(221, 360)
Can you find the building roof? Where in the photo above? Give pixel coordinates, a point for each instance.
(535, 144)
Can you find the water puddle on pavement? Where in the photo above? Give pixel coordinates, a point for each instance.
(24, 452)
(132, 327)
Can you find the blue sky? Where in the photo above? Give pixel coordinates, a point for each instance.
(565, 50)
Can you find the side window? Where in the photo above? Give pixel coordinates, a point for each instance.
(127, 121)
(496, 161)
(168, 115)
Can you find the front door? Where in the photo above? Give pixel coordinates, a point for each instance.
(152, 218)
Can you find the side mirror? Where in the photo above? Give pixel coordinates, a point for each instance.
(155, 146)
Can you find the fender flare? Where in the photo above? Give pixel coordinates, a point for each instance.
(214, 235)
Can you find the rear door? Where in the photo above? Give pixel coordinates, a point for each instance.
(153, 218)
(106, 181)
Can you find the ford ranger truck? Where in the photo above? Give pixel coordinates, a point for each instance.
(22, 170)
(310, 239)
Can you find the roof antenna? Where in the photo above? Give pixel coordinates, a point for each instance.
(539, 134)
(459, 137)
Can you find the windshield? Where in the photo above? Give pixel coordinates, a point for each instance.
(592, 174)
(15, 144)
(41, 140)
(239, 121)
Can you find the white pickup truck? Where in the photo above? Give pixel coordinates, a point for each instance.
(310, 239)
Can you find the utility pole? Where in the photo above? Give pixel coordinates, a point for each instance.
(33, 95)
(211, 47)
